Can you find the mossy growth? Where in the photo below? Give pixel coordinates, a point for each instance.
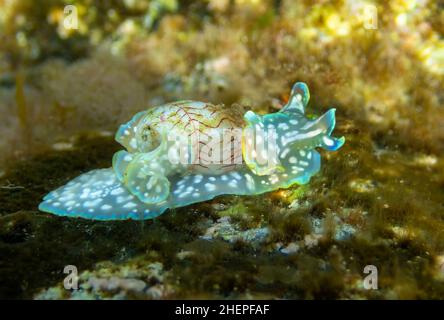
(397, 229)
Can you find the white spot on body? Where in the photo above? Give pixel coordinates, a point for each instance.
(133, 143)
(210, 186)
(250, 182)
(273, 179)
(117, 191)
(120, 199)
(66, 196)
(329, 142)
(296, 169)
(198, 178)
(236, 175)
(295, 135)
(85, 193)
(130, 205)
(92, 203)
(233, 183)
(285, 152)
(70, 203)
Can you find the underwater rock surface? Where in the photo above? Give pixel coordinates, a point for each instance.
(379, 201)
(310, 241)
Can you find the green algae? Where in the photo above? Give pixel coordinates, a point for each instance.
(378, 201)
(397, 229)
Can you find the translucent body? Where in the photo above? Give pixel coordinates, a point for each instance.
(144, 182)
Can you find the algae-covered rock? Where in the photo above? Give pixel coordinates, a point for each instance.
(224, 229)
(377, 201)
(232, 246)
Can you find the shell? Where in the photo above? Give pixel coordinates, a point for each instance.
(184, 118)
(164, 167)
